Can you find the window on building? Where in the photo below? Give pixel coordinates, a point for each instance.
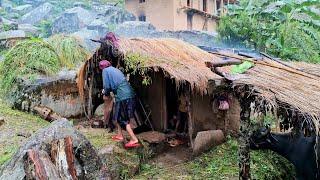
(142, 18)
(188, 3)
(142, 1)
(205, 5)
(189, 21)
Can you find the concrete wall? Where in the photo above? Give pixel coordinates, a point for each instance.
(160, 13)
(169, 15)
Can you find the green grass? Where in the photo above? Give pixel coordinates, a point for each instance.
(15, 122)
(222, 163)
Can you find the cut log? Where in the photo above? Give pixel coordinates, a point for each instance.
(206, 140)
(55, 152)
(46, 113)
(63, 157)
(34, 166)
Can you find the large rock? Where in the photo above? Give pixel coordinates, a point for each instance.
(59, 93)
(98, 25)
(197, 38)
(136, 29)
(12, 34)
(22, 9)
(29, 29)
(73, 20)
(85, 158)
(35, 16)
(133, 29)
(84, 35)
(117, 15)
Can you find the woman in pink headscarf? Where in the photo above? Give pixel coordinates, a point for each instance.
(115, 81)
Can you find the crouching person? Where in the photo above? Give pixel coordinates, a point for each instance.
(115, 81)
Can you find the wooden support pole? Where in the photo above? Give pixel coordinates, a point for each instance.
(245, 100)
(190, 124)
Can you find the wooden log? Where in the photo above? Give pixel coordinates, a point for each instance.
(38, 165)
(70, 157)
(47, 113)
(35, 167)
(223, 63)
(190, 124)
(206, 140)
(63, 158)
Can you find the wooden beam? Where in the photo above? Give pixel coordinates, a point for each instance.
(223, 63)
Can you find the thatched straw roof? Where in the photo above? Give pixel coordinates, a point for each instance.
(287, 85)
(180, 60)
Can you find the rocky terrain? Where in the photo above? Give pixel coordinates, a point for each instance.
(85, 21)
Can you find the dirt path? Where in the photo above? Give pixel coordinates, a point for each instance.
(173, 156)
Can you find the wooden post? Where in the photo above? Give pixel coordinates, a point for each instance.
(245, 100)
(190, 124)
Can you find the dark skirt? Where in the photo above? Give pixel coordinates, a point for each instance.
(124, 111)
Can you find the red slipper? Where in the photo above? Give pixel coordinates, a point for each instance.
(132, 145)
(117, 138)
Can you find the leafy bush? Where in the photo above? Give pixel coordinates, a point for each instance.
(287, 29)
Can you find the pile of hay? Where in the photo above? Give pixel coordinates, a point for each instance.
(180, 60)
(33, 57)
(26, 60)
(69, 50)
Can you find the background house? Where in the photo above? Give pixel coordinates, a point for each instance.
(177, 15)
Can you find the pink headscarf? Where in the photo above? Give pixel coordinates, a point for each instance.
(104, 64)
(112, 38)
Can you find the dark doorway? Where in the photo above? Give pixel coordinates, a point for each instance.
(189, 21)
(188, 3)
(172, 100)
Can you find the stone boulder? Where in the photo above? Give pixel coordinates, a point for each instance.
(136, 29)
(38, 14)
(117, 15)
(197, 38)
(55, 152)
(73, 20)
(23, 9)
(59, 93)
(12, 34)
(98, 25)
(29, 29)
(84, 35)
(133, 29)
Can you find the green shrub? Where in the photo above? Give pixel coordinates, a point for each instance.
(277, 28)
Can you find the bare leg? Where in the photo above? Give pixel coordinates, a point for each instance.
(133, 139)
(119, 130)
